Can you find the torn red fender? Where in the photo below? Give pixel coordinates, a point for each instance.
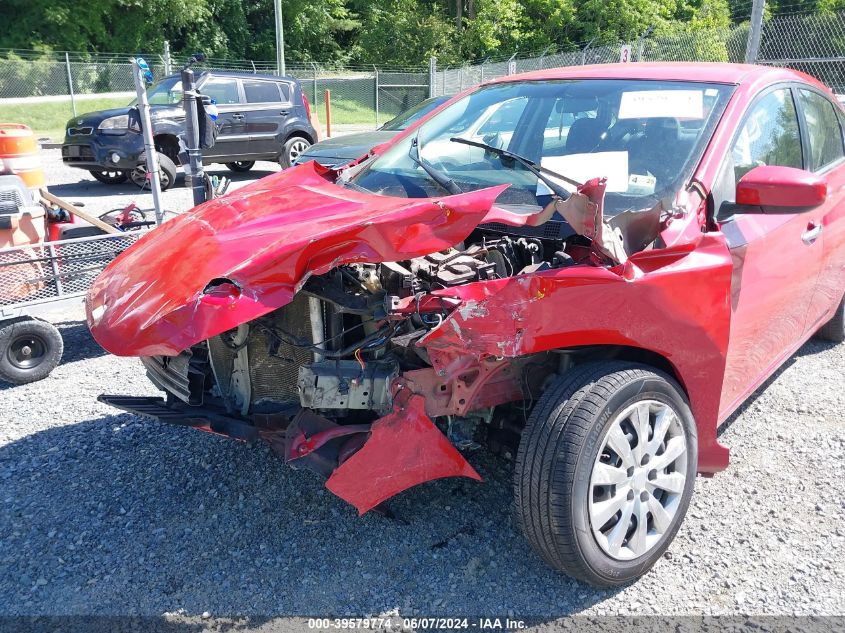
(405, 449)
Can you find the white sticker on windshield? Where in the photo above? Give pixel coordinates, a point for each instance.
(583, 167)
(645, 104)
(641, 184)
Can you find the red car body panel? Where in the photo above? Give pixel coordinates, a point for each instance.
(722, 306)
(266, 238)
(404, 449)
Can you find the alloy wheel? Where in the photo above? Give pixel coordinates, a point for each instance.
(296, 150)
(638, 480)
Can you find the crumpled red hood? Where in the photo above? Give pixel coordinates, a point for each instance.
(267, 238)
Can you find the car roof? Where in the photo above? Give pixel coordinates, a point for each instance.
(707, 72)
(234, 73)
(245, 75)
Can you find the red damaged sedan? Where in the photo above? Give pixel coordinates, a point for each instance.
(589, 268)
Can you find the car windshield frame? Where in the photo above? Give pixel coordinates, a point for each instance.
(163, 87)
(635, 116)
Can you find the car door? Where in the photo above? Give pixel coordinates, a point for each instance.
(232, 138)
(826, 154)
(776, 258)
(267, 108)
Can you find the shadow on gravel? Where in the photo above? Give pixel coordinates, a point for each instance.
(811, 347)
(92, 189)
(120, 515)
(79, 344)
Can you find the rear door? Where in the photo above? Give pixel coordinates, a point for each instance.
(267, 108)
(776, 258)
(826, 156)
(232, 138)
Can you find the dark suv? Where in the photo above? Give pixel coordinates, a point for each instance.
(261, 117)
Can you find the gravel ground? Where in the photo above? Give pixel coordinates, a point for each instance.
(106, 513)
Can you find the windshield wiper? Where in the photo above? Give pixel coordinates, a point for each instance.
(530, 165)
(436, 175)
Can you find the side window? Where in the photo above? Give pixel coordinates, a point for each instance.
(223, 91)
(768, 136)
(286, 90)
(823, 130)
(261, 91)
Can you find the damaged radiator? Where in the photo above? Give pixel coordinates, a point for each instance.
(273, 364)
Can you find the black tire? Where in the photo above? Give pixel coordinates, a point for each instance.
(240, 166)
(834, 330)
(557, 453)
(167, 172)
(292, 149)
(109, 176)
(29, 350)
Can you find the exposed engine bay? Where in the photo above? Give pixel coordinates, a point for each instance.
(375, 368)
(340, 354)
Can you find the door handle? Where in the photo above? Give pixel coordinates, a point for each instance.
(237, 116)
(284, 112)
(812, 233)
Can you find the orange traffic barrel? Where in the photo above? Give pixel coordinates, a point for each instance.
(19, 154)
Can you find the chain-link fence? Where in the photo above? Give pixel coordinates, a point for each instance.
(45, 91)
(812, 43)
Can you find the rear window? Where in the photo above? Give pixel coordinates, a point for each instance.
(261, 91)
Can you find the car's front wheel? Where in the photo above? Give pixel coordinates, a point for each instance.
(293, 149)
(605, 471)
(109, 176)
(167, 172)
(240, 165)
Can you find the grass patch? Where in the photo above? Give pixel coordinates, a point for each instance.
(48, 120)
(347, 111)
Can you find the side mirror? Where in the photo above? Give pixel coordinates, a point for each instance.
(771, 189)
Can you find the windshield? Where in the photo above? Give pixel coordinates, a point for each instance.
(165, 92)
(404, 120)
(644, 136)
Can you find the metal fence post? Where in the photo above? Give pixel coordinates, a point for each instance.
(375, 80)
(462, 78)
(168, 62)
(641, 42)
(432, 77)
(584, 52)
(70, 84)
(752, 50)
(314, 96)
(542, 57)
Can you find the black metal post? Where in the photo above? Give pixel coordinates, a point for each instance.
(192, 136)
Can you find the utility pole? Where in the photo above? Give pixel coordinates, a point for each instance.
(138, 68)
(753, 48)
(280, 39)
